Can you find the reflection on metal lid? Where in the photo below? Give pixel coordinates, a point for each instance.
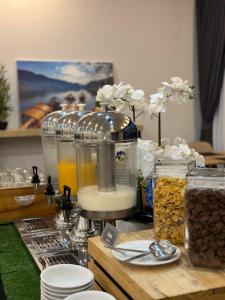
(66, 124)
(105, 127)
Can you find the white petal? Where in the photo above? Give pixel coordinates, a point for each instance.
(137, 95)
(107, 91)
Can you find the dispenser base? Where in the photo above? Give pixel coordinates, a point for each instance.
(108, 215)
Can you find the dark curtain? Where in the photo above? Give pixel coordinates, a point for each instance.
(210, 16)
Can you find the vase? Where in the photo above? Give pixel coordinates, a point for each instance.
(3, 125)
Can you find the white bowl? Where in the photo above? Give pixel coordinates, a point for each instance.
(91, 295)
(25, 200)
(66, 276)
(62, 296)
(64, 292)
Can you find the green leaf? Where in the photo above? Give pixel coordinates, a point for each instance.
(5, 108)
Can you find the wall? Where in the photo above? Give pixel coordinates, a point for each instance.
(148, 41)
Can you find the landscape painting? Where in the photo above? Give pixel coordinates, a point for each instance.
(44, 85)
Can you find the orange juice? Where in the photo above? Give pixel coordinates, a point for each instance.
(67, 173)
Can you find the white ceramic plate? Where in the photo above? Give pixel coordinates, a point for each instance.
(66, 276)
(55, 293)
(91, 295)
(62, 296)
(63, 290)
(47, 297)
(148, 260)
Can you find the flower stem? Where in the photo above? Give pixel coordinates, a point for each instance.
(133, 112)
(139, 114)
(159, 130)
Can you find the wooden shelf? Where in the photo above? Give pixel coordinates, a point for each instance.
(20, 133)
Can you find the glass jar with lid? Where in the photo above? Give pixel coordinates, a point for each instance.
(169, 187)
(205, 212)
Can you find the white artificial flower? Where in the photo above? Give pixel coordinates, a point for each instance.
(138, 100)
(105, 94)
(155, 109)
(178, 98)
(178, 91)
(137, 95)
(100, 96)
(185, 149)
(165, 142)
(120, 91)
(200, 161)
(145, 157)
(156, 104)
(178, 140)
(155, 98)
(122, 97)
(107, 91)
(177, 82)
(180, 150)
(167, 90)
(173, 152)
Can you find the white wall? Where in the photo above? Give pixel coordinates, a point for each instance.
(148, 41)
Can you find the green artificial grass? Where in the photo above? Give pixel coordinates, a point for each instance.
(21, 279)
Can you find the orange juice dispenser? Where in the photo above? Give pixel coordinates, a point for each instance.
(66, 152)
(106, 140)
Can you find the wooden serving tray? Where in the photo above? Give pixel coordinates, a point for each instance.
(11, 211)
(175, 281)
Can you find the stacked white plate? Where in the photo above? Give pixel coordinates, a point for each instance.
(91, 295)
(63, 280)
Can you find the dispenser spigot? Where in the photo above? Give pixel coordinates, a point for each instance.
(66, 204)
(35, 179)
(50, 192)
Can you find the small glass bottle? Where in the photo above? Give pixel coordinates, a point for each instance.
(169, 186)
(204, 213)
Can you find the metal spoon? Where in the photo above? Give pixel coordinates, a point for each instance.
(161, 250)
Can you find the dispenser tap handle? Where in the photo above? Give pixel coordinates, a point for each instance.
(35, 170)
(35, 178)
(49, 180)
(50, 189)
(67, 191)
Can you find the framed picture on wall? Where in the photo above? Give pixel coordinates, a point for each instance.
(44, 85)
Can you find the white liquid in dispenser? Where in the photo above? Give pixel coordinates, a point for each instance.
(90, 198)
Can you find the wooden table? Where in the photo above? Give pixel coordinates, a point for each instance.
(175, 281)
(214, 160)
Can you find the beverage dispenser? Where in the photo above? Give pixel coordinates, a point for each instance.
(48, 128)
(106, 165)
(66, 152)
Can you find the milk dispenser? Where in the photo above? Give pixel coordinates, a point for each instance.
(66, 152)
(106, 165)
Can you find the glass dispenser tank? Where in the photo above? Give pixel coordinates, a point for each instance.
(48, 127)
(66, 152)
(106, 161)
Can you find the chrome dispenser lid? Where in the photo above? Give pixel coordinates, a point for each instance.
(49, 122)
(109, 126)
(66, 124)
